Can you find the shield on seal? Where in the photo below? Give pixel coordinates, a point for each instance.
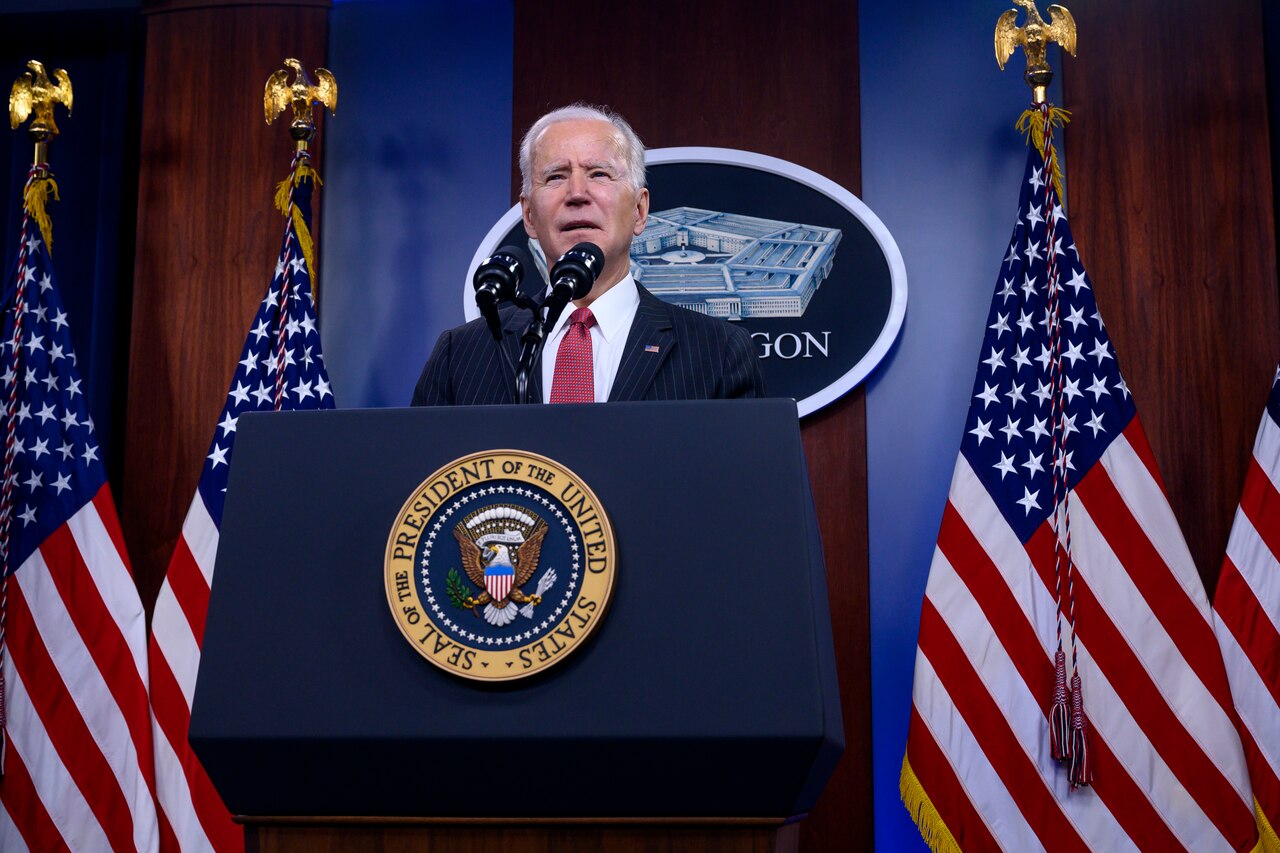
(498, 580)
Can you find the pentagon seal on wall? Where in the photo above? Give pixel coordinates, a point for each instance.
(500, 565)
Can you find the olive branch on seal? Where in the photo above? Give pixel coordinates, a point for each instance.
(457, 592)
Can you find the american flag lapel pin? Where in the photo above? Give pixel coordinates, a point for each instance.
(651, 348)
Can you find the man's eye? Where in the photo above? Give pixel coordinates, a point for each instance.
(601, 174)
(552, 179)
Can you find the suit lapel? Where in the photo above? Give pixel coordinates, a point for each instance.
(512, 328)
(648, 345)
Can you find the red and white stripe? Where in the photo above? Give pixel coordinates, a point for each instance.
(1247, 604)
(1170, 773)
(78, 761)
(195, 816)
(498, 586)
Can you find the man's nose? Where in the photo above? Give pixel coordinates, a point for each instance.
(578, 185)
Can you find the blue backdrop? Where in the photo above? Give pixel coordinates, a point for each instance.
(417, 167)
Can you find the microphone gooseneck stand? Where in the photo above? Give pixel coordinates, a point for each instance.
(497, 280)
(572, 278)
(531, 342)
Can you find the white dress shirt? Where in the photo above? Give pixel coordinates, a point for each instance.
(614, 311)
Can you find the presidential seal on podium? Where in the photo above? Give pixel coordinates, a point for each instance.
(500, 565)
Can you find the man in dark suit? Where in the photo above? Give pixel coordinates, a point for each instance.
(583, 180)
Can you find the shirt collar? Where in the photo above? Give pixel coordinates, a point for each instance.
(613, 309)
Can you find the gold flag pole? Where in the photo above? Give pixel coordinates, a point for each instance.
(1068, 729)
(34, 94)
(1034, 37)
(302, 96)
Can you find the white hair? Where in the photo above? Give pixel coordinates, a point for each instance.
(632, 147)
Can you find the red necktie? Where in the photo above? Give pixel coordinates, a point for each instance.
(574, 380)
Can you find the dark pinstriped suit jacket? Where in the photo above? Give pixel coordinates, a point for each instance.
(697, 358)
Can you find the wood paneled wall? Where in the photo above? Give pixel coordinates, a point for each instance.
(207, 234)
(1169, 194)
(783, 84)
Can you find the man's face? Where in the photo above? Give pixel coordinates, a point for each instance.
(581, 191)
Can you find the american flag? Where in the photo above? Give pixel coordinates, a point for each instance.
(281, 368)
(77, 743)
(1247, 604)
(1095, 565)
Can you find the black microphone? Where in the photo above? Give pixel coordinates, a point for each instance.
(571, 278)
(497, 280)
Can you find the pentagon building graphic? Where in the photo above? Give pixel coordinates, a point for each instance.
(732, 266)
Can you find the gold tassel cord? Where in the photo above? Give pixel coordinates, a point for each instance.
(1031, 124)
(285, 188)
(284, 192)
(932, 828)
(34, 201)
(306, 244)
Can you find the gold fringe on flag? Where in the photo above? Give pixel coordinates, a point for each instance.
(1268, 842)
(1031, 124)
(928, 821)
(284, 193)
(34, 200)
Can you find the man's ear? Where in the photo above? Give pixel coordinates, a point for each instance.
(528, 222)
(642, 211)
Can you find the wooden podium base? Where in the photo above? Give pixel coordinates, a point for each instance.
(477, 835)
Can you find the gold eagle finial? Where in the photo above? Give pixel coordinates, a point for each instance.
(301, 94)
(36, 94)
(1034, 36)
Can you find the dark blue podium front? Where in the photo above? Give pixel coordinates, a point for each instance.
(709, 689)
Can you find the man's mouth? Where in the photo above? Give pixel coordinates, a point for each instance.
(578, 226)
